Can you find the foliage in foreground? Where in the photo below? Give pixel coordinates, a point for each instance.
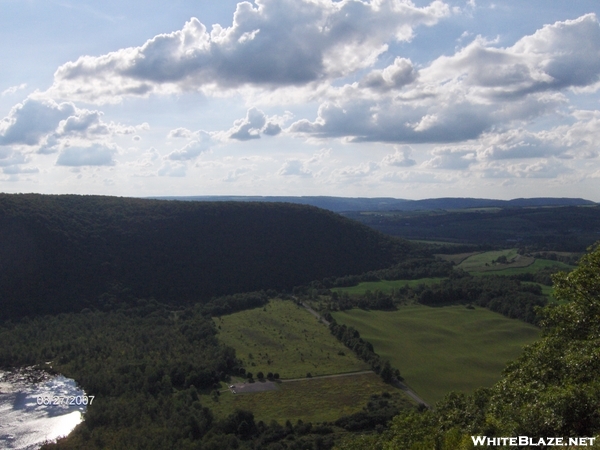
(553, 389)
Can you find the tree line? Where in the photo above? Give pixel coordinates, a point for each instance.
(505, 295)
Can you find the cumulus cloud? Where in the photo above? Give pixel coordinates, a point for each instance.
(271, 43)
(180, 133)
(400, 158)
(29, 121)
(86, 122)
(395, 76)
(201, 143)
(356, 172)
(249, 127)
(460, 97)
(252, 126)
(95, 155)
(50, 126)
(450, 158)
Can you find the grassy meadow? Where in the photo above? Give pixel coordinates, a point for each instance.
(477, 263)
(385, 286)
(313, 400)
(442, 349)
(285, 338)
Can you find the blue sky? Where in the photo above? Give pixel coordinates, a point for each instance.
(301, 97)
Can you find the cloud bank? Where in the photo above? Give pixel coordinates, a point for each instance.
(271, 44)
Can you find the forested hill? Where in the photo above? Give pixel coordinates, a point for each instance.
(62, 253)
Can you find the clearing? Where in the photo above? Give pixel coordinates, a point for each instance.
(317, 400)
(385, 286)
(442, 349)
(285, 338)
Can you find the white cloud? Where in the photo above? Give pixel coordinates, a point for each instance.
(544, 168)
(400, 158)
(450, 158)
(13, 89)
(201, 143)
(272, 43)
(49, 127)
(29, 121)
(395, 76)
(172, 170)
(10, 157)
(356, 172)
(235, 174)
(180, 133)
(458, 98)
(250, 127)
(95, 155)
(17, 170)
(414, 177)
(295, 167)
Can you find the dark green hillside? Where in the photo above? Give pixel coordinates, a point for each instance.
(565, 228)
(61, 253)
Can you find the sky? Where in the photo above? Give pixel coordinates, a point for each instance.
(371, 98)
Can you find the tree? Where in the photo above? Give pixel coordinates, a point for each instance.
(260, 375)
(387, 373)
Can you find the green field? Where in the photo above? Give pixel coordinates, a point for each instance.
(442, 349)
(484, 262)
(314, 400)
(384, 285)
(537, 265)
(285, 338)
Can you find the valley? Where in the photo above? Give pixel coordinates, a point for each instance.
(187, 320)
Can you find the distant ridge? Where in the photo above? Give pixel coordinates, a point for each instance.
(344, 204)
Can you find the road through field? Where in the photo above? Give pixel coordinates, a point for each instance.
(314, 313)
(412, 394)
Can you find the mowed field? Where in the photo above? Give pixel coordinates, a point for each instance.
(385, 286)
(536, 266)
(442, 349)
(285, 338)
(311, 400)
(477, 263)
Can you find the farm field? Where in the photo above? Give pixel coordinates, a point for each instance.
(313, 400)
(442, 349)
(285, 338)
(456, 258)
(483, 262)
(536, 266)
(385, 286)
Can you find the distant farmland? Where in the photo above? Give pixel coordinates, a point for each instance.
(442, 349)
